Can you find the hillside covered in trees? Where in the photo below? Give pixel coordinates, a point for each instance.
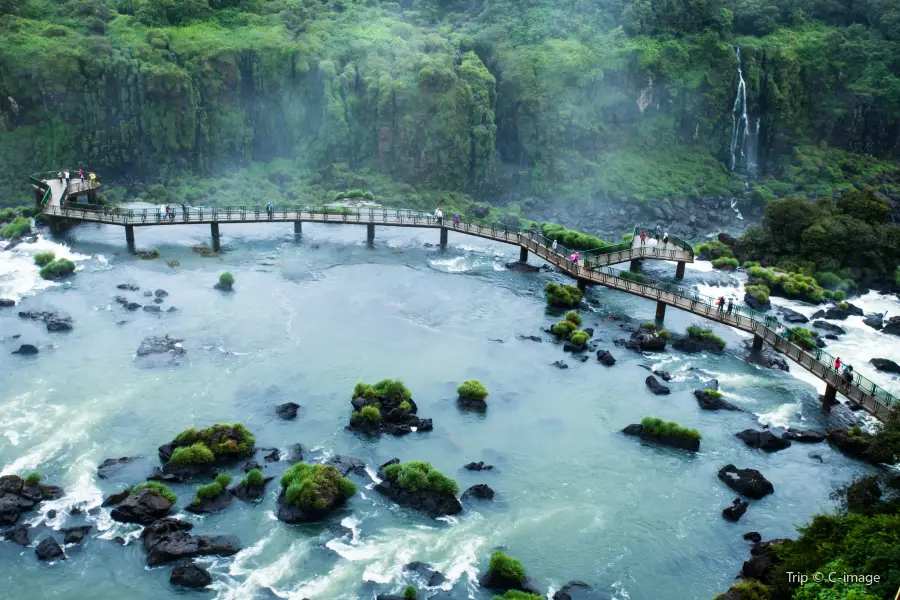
(570, 100)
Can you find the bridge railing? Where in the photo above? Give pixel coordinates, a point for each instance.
(38, 178)
(798, 346)
(673, 239)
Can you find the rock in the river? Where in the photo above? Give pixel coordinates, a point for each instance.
(792, 316)
(20, 534)
(747, 482)
(17, 496)
(131, 305)
(480, 491)
(606, 358)
(433, 503)
(763, 561)
(637, 430)
(49, 550)
(712, 400)
(874, 320)
(764, 440)
(522, 267)
(664, 375)
(753, 536)
(736, 510)
(767, 357)
(579, 590)
(803, 436)
(109, 466)
(74, 535)
(656, 387)
(500, 582)
(841, 416)
(892, 326)
(273, 456)
(186, 573)
(249, 493)
(397, 411)
(52, 319)
(152, 308)
(646, 339)
(287, 411)
(693, 345)
(128, 287)
(829, 327)
(530, 338)
(160, 293)
(116, 498)
(478, 466)
(26, 349)
(143, 507)
(160, 345)
(347, 465)
(886, 365)
(250, 465)
(6, 303)
(210, 505)
(431, 577)
(167, 540)
(560, 365)
(854, 443)
(757, 301)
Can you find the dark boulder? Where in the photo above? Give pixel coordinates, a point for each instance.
(431, 577)
(841, 416)
(856, 445)
(479, 491)
(579, 590)
(143, 507)
(708, 401)
(210, 505)
(693, 345)
(52, 319)
(756, 303)
(432, 503)
(829, 327)
(273, 456)
(747, 482)
(560, 365)
(161, 293)
(530, 338)
(736, 510)
(753, 536)
(179, 473)
(131, 306)
(763, 561)
(16, 497)
(684, 443)
(250, 465)
(792, 316)
(26, 349)
(892, 326)
(167, 540)
(886, 365)
(152, 308)
(20, 534)
(606, 358)
(6, 303)
(160, 345)
(111, 465)
(287, 411)
(656, 387)
(49, 550)
(11, 508)
(569, 346)
(185, 573)
(250, 493)
(157, 474)
(74, 535)
(496, 582)
(646, 342)
(347, 464)
(117, 498)
(839, 314)
(764, 440)
(874, 320)
(478, 466)
(767, 357)
(522, 267)
(804, 436)
(130, 287)
(664, 375)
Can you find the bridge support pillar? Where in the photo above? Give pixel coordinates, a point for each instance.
(129, 236)
(679, 270)
(582, 285)
(635, 265)
(370, 234)
(757, 344)
(660, 311)
(214, 230)
(298, 226)
(444, 238)
(523, 254)
(830, 396)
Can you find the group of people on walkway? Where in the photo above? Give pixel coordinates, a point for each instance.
(65, 175)
(847, 373)
(720, 304)
(439, 217)
(661, 236)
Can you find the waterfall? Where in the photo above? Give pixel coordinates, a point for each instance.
(743, 141)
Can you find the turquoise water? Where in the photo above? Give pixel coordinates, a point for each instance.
(311, 317)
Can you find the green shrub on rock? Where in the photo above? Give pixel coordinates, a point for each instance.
(410, 593)
(573, 317)
(226, 280)
(579, 338)
(707, 335)
(563, 329)
(472, 389)
(195, 454)
(573, 240)
(564, 296)
(505, 569)
(713, 250)
(17, 228)
(33, 479)
(370, 415)
(661, 428)
(758, 293)
(254, 477)
(224, 479)
(517, 595)
(221, 441)
(57, 268)
(390, 389)
(155, 487)
(726, 262)
(415, 475)
(316, 488)
(44, 258)
(210, 490)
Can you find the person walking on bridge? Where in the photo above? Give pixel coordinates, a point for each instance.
(59, 176)
(270, 209)
(67, 177)
(456, 220)
(439, 216)
(837, 363)
(666, 238)
(553, 247)
(643, 237)
(730, 305)
(81, 173)
(658, 233)
(184, 211)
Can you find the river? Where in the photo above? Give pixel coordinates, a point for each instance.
(308, 319)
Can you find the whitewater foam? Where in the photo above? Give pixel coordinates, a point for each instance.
(20, 277)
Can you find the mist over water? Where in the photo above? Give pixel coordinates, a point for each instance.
(311, 317)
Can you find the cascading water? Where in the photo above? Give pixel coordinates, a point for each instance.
(743, 141)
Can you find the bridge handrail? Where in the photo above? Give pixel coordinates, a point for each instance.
(768, 322)
(47, 195)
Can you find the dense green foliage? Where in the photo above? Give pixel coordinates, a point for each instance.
(369, 415)
(572, 240)
(33, 478)
(409, 593)
(195, 454)
(416, 475)
(61, 267)
(758, 292)
(697, 332)
(563, 329)
(826, 244)
(219, 442)
(223, 480)
(726, 262)
(18, 227)
(713, 250)
(226, 280)
(392, 389)
(579, 338)
(158, 488)
(316, 488)
(43, 258)
(505, 568)
(517, 595)
(747, 590)
(354, 194)
(548, 99)
(573, 317)
(564, 296)
(254, 478)
(661, 428)
(472, 389)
